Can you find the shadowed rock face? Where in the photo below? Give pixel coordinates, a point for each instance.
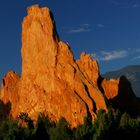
(52, 82)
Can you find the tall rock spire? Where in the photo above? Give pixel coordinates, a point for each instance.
(52, 82)
(50, 76)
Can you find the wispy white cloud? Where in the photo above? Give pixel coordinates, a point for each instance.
(114, 2)
(137, 50)
(135, 5)
(135, 58)
(125, 4)
(99, 25)
(133, 53)
(110, 55)
(78, 29)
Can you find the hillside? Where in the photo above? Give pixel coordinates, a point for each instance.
(131, 72)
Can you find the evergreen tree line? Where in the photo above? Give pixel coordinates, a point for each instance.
(111, 125)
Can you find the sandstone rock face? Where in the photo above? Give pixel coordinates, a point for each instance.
(89, 68)
(50, 76)
(111, 88)
(52, 82)
(9, 91)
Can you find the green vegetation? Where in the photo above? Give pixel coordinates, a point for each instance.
(111, 125)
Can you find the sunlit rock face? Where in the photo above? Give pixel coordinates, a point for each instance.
(9, 92)
(52, 82)
(89, 68)
(111, 88)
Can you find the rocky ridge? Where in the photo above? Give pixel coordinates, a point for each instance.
(52, 82)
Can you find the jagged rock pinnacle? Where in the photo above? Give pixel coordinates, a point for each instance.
(52, 82)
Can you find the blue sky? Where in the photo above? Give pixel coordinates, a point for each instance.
(108, 29)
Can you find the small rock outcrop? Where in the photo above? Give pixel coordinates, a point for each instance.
(9, 91)
(110, 88)
(52, 82)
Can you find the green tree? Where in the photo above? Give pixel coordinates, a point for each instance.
(61, 131)
(84, 131)
(10, 130)
(24, 116)
(103, 125)
(40, 131)
(124, 122)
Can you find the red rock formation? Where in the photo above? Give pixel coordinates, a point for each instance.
(9, 90)
(52, 82)
(111, 88)
(50, 76)
(89, 68)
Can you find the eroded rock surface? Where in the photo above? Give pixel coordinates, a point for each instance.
(9, 92)
(52, 82)
(50, 76)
